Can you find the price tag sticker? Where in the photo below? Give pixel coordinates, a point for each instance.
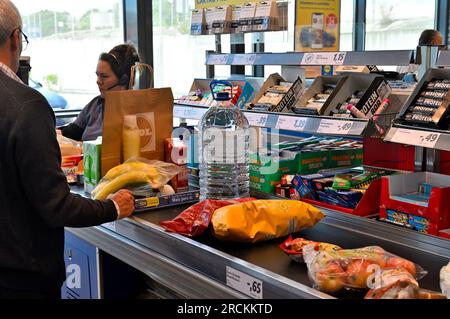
(217, 59)
(325, 58)
(244, 59)
(416, 137)
(291, 123)
(256, 119)
(244, 283)
(334, 127)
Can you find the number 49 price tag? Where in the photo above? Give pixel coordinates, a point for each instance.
(334, 127)
(244, 283)
(416, 137)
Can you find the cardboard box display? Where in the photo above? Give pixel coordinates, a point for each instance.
(429, 218)
(235, 14)
(198, 25)
(317, 87)
(222, 20)
(246, 17)
(249, 89)
(210, 15)
(288, 100)
(375, 90)
(266, 17)
(441, 112)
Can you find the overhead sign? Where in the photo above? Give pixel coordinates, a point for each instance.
(199, 4)
(317, 25)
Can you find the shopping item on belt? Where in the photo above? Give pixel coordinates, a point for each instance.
(263, 220)
(194, 220)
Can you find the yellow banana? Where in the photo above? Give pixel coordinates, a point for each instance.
(124, 180)
(114, 172)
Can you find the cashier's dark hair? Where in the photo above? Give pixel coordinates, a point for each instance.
(121, 58)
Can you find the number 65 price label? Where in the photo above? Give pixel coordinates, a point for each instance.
(416, 137)
(244, 283)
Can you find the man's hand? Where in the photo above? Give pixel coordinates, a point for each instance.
(124, 201)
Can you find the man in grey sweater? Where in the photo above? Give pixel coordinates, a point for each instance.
(35, 200)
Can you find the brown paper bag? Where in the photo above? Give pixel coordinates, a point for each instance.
(153, 109)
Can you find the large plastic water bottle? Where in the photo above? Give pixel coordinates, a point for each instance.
(223, 147)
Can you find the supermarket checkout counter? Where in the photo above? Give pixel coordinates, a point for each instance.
(208, 268)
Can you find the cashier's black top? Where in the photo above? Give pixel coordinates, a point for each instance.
(35, 200)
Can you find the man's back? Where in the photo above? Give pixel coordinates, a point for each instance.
(35, 200)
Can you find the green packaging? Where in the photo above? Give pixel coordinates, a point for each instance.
(92, 167)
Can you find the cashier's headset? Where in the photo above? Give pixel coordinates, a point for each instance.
(121, 58)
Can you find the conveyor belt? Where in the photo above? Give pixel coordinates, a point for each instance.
(282, 278)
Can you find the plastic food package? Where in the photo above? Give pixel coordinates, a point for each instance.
(260, 220)
(294, 247)
(194, 220)
(135, 172)
(69, 147)
(331, 271)
(445, 280)
(403, 290)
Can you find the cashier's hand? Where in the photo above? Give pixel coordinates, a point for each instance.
(124, 202)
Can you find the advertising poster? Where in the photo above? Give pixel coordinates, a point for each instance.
(317, 25)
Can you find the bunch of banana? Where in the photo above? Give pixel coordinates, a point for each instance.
(129, 174)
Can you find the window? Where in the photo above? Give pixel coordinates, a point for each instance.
(346, 27)
(178, 57)
(66, 39)
(397, 24)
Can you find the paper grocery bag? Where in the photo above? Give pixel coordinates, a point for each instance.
(153, 109)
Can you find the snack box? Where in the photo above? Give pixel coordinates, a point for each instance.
(429, 217)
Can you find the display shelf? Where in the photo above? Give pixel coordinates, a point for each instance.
(392, 57)
(287, 121)
(428, 138)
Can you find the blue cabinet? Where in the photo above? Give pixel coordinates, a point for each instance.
(81, 259)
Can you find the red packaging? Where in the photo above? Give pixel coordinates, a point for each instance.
(175, 151)
(193, 221)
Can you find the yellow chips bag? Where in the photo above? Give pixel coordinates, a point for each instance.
(260, 220)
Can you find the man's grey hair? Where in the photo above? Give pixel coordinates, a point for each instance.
(9, 20)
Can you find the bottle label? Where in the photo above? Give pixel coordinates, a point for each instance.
(224, 146)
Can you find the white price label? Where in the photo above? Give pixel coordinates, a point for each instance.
(244, 59)
(217, 59)
(326, 58)
(334, 127)
(256, 119)
(416, 137)
(111, 225)
(244, 283)
(291, 123)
